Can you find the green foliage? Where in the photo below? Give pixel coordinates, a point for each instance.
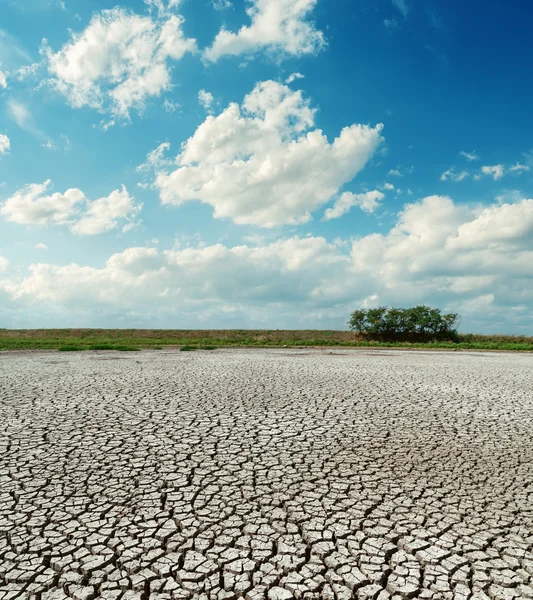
(188, 348)
(420, 323)
(70, 348)
(108, 339)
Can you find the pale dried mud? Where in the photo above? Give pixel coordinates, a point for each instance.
(266, 474)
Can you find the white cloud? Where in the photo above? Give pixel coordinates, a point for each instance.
(276, 25)
(367, 202)
(294, 77)
(519, 169)
(388, 186)
(206, 100)
(3, 264)
(119, 61)
(457, 257)
(493, 226)
(262, 163)
(452, 175)
(169, 106)
(155, 160)
(32, 206)
(3, 80)
(284, 271)
(221, 4)
(402, 7)
(5, 144)
(395, 173)
(41, 246)
(469, 155)
(495, 171)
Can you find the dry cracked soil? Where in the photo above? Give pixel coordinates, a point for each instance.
(266, 474)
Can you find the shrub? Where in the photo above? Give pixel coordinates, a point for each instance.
(419, 323)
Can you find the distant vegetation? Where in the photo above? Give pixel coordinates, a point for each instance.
(114, 339)
(417, 324)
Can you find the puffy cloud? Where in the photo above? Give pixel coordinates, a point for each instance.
(31, 205)
(3, 80)
(293, 270)
(495, 171)
(5, 144)
(505, 224)
(438, 252)
(277, 25)
(395, 173)
(3, 264)
(206, 100)
(41, 246)
(452, 175)
(451, 254)
(262, 163)
(368, 202)
(119, 60)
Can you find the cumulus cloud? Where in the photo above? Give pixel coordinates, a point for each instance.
(284, 271)
(367, 202)
(262, 163)
(395, 173)
(206, 100)
(445, 254)
(32, 205)
(5, 144)
(276, 25)
(495, 171)
(119, 61)
(494, 226)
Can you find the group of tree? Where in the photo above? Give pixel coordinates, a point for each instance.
(420, 323)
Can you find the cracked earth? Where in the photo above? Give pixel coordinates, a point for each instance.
(266, 474)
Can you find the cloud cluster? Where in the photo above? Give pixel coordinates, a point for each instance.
(5, 144)
(119, 61)
(32, 205)
(367, 202)
(276, 25)
(497, 172)
(262, 163)
(476, 261)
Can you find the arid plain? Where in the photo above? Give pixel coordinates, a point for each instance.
(266, 474)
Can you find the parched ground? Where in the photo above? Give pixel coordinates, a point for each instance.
(266, 474)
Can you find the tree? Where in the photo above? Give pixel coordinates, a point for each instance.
(421, 323)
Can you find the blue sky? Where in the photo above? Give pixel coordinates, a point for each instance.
(264, 163)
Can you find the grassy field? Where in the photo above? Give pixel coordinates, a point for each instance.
(134, 339)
